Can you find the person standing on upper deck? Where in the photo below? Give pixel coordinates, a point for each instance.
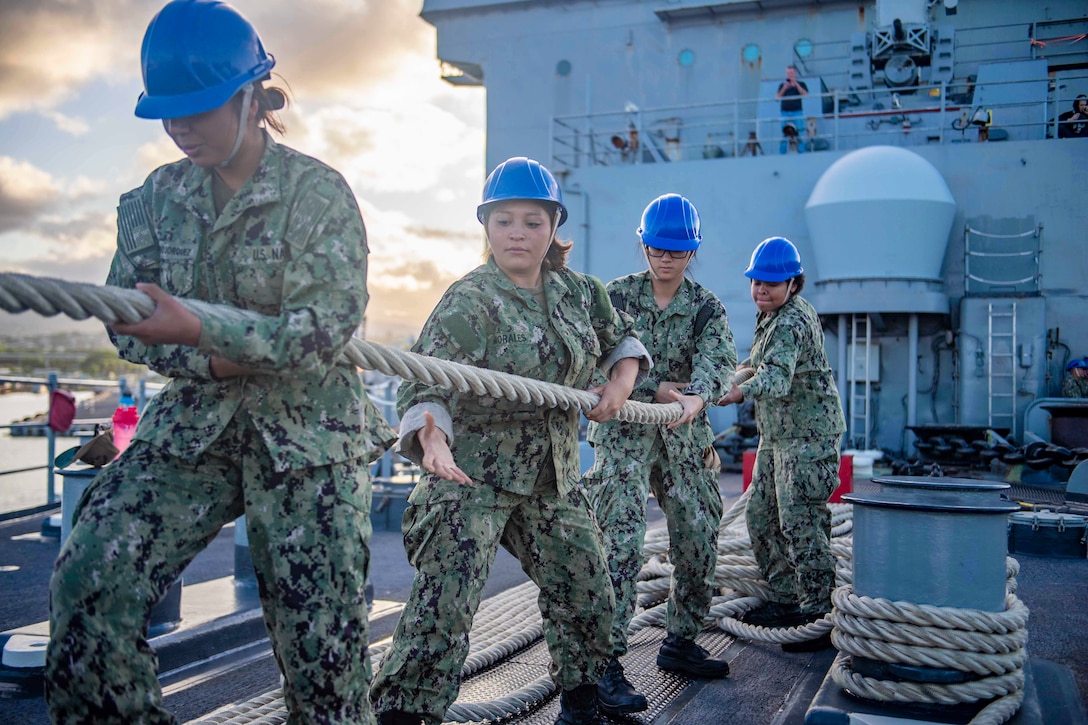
(686, 330)
(261, 418)
(800, 421)
(1074, 124)
(500, 472)
(790, 94)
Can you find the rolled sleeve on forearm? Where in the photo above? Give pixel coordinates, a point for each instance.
(413, 420)
(628, 347)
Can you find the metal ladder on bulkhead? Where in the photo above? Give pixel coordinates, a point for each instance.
(859, 377)
(1001, 365)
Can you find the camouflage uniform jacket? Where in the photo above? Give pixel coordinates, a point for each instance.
(793, 388)
(290, 245)
(1073, 387)
(485, 320)
(705, 359)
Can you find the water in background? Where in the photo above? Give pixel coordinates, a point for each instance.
(26, 490)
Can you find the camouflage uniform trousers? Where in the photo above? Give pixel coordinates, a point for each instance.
(147, 515)
(688, 495)
(789, 521)
(451, 535)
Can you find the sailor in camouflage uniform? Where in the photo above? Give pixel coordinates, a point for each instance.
(258, 418)
(685, 328)
(498, 472)
(1075, 384)
(800, 422)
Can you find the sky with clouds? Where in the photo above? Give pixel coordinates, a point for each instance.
(366, 98)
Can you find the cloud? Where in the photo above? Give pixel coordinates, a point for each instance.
(407, 148)
(424, 232)
(403, 296)
(25, 192)
(90, 235)
(68, 124)
(337, 48)
(91, 269)
(29, 196)
(50, 48)
(156, 153)
(83, 187)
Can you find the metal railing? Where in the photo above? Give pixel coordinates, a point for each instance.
(391, 472)
(954, 112)
(53, 383)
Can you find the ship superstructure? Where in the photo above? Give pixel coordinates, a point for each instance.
(941, 219)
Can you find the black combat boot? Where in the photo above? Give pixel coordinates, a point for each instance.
(687, 658)
(616, 695)
(399, 717)
(774, 614)
(579, 706)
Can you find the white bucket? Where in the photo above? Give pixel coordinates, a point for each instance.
(863, 460)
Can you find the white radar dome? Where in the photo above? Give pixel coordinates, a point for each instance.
(880, 213)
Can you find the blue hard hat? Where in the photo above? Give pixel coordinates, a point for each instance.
(1077, 363)
(670, 222)
(774, 260)
(196, 54)
(521, 178)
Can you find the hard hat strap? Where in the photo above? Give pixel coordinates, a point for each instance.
(649, 266)
(243, 118)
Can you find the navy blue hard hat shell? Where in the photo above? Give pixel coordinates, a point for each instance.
(774, 260)
(670, 222)
(521, 178)
(196, 54)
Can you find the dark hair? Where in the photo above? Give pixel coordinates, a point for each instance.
(269, 100)
(556, 258)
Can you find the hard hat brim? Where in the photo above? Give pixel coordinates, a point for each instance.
(672, 245)
(205, 99)
(771, 276)
(481, 210)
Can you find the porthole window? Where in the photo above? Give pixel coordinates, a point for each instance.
(803, 48)
(563, 68)
(686, 57)
(751, 53)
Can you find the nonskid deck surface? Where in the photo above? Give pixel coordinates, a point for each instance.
(496, 688)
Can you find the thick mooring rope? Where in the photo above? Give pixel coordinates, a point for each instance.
(989, 646)
(80, 301)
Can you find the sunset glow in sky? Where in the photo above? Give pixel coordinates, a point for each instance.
(366, 98)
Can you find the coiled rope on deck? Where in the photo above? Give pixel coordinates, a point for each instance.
(990, 646)
(80, 301)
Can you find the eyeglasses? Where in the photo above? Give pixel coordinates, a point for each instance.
(658, 253)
